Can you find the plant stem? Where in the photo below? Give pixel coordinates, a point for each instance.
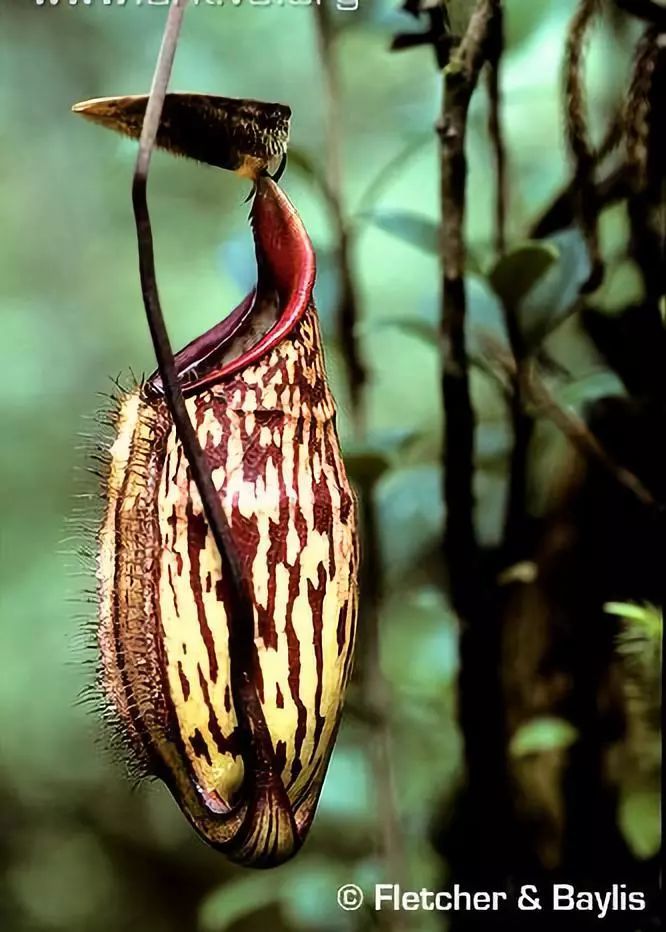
(484, 842)
(496, 134)
(460, 80)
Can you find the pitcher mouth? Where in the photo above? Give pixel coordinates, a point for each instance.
(285, 279)
(248, 137)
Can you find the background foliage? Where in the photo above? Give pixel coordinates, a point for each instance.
(79, 849)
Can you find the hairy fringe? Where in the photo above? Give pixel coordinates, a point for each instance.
(82, 529)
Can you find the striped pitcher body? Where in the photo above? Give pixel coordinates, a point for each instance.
(266, 421)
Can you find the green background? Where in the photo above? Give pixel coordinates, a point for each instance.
(81, 849)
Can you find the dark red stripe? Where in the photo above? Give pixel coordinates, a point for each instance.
(184, 682)
(224, 744)
(316, 600)
(199, 746)
(197, 530)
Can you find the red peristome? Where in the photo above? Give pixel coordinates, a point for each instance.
(285, 256)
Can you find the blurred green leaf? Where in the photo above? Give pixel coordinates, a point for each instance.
(640, 821)
(485, 316)
(367, 460)
(517, 272)
(540, 282)
(648, 617)
(555, 294)
(578, 393)
(365, 466)
(542, 734)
